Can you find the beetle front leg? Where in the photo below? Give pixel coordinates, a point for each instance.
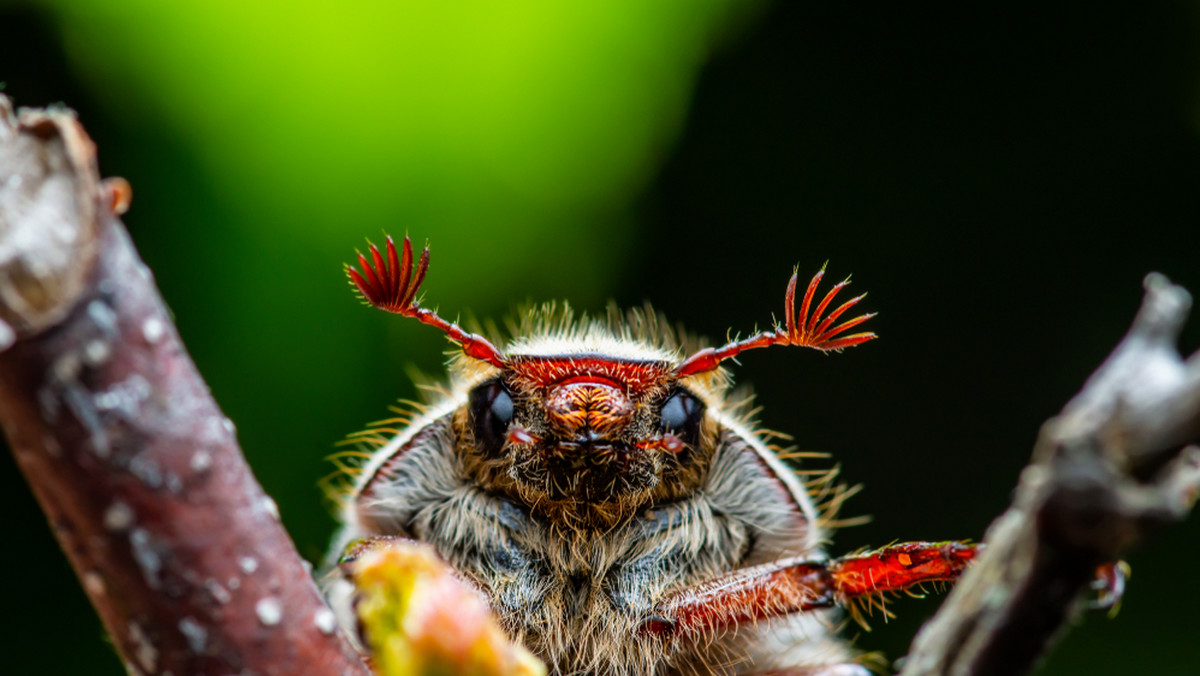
(799, 585)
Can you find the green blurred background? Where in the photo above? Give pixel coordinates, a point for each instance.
(999, 179)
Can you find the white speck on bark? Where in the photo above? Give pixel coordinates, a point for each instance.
(153, 330)
(96, 352)
(270, 507)
(8, 336)
(118, 516)
(124, 397)
(269, 610)
(81, 404)
(215, 431)
(145, 468)
(65, 368)
(93, 583)
(143, 650)
(201, 461)
(325, 621)
(103, 316)
(196, 635)
(219, 593)
(146, 556)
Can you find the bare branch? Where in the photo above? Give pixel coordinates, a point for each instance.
(139, 474)
(1107, 471)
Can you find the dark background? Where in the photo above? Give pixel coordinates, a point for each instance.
(999, 179)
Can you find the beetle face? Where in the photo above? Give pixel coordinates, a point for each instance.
(584, 430)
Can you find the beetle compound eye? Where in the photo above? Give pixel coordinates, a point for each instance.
(681, 415)
(491, 412)
(680, 411)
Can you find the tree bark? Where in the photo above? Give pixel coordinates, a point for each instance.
(137, 470)
(1113, 467)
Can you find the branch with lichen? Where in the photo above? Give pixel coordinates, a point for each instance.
(137, 470)
(1115, 465)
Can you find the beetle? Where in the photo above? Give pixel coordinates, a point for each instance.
(621, 514)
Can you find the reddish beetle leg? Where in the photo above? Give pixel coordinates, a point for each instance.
(798, 585)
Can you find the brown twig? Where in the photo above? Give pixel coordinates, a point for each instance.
(139, 473)
(1113, 466)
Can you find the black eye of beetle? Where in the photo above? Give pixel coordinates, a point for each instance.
(491, 412)
(681, 415)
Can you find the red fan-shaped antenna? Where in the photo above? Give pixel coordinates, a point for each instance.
(392, 287)
(816, 330)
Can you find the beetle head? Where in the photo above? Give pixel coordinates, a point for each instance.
(585, 431)
(586, 420)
